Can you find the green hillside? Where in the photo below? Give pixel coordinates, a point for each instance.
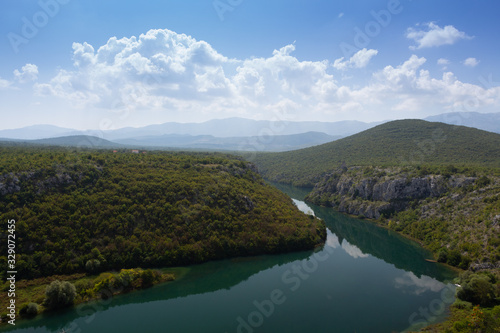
(84, 210)
(397, 143)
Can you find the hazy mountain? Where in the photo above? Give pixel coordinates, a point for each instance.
(254, 143)
(485, 121)
(238, 127)
(83, 141)
(34, 132)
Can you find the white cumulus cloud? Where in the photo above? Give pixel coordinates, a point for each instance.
(434, 36)
(168, 73)
(28, 73)
(359, 60)
(471, 62)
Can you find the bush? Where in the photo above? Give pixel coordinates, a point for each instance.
(477, 289)
(454, 258)
(442, 255)
(463, 305)
(29, 310)
(483, 181)
(59, 294)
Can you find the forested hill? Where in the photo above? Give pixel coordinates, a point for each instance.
(98, 210)
(397, 143)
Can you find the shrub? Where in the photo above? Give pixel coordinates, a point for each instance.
(59, 294)
(442, 255)
(29, 310)
(483, 181)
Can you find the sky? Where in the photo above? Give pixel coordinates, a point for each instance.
(87, 64)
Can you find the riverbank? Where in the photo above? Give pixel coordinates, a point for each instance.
(87, 287)
(462, 314)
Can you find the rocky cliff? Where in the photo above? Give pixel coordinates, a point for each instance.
(372, 192)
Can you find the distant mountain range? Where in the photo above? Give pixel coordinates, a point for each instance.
(251, 143)
(230, 133)
(82, 141)
(486, 121)
(200, 142)
(220, 128)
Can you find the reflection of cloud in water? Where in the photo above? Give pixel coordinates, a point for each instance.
(353, 250)
(303, 207)
(421, 285)
(332, 240)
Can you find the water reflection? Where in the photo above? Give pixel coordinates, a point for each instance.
(418, 285)
(303, 207)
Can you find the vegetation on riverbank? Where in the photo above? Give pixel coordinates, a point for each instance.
(34, 296)
(455, 215)
(86, 211)
(477, 308)
(93, 211)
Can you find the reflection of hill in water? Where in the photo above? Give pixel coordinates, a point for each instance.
(371, 239)
(200, 279)
(383, 244)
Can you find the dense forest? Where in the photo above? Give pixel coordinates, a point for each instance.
(80, 210)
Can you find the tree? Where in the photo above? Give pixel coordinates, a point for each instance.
(477, 289)
(92, 265)
(59, 294)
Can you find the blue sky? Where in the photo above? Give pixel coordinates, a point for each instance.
(110, 64)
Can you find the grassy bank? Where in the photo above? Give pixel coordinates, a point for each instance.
(32, 293)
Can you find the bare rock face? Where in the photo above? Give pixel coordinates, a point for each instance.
(353, 192)
(9, 184)
(41, 180)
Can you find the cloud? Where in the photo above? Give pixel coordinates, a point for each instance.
(353, 250)
(471, 62)
(165, 70)
(340, 15)
(443, 62)
(418, 285)
(170, 74)
(408, 89)
(359, 60)
(4, 83)
(28, 73)
(435, 36)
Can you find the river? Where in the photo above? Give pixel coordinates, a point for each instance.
(365, 279)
